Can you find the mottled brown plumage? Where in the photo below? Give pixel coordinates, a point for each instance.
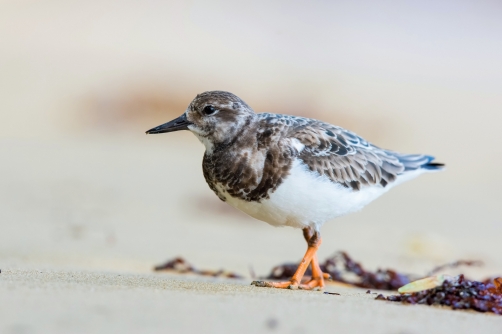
(250, 167)
(253, 161)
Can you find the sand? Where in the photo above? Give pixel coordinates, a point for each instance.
(56, 301)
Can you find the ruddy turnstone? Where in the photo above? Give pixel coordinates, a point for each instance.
(290, 171)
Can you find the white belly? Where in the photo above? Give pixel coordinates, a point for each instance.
(307, 199)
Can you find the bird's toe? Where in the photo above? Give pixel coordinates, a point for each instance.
(261, 284)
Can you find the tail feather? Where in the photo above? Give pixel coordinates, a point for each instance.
(418, 161)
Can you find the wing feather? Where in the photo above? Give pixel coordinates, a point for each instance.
(343, 156)
(346, 158)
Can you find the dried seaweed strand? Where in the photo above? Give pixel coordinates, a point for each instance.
(181, 266)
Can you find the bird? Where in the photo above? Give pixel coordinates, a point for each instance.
(289, 170)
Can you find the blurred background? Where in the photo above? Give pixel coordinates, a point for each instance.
(82, 186)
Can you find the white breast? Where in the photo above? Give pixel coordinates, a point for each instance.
(307, 199)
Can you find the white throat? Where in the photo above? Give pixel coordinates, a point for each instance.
(204, 140)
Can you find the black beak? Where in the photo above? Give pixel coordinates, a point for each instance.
(180, 123)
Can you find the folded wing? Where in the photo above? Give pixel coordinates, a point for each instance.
(348, 159)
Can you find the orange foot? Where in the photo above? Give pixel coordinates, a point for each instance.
(317, 281)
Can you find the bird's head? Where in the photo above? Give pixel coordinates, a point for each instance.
(215, 117)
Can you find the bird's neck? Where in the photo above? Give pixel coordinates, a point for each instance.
(243, 136)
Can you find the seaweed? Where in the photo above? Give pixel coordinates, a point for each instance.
(457, 293)
(181, 266)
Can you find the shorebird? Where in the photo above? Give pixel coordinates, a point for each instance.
(290, 171)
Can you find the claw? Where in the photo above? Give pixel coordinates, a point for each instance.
(293, 285)
(261, 284)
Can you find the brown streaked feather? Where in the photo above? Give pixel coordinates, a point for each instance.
(251, 167)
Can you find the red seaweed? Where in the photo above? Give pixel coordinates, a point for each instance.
(458, 293)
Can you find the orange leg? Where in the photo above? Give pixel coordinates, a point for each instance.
(317, 282)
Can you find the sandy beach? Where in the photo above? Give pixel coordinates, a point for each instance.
(57, 301)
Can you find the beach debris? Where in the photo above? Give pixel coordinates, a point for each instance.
(181, 266)
(424, 284)
(344, 269)
(331, 293)
(456, 292)
(177, 264)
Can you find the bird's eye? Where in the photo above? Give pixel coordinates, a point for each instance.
(208, 110)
